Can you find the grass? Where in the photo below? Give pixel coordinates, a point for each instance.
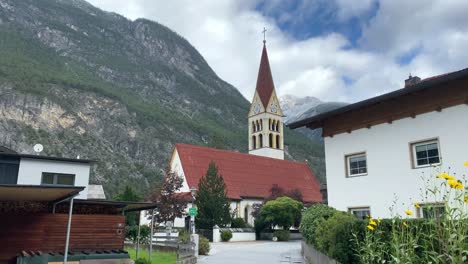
(158, 257)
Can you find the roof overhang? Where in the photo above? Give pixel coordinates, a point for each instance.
(37, 193)
(38, 157)
(318, 120)
(125, 206)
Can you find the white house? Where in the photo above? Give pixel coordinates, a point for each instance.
(384, 147)
(28, 169)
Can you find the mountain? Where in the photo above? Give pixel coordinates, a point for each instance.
(82, 81)
(297, 108)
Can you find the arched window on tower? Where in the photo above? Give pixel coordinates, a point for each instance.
(253, 127)
(261, 124)
(270, 140)
(254, 142)
(260, 141)
(258, 125)
(269, 124)
(278, 142)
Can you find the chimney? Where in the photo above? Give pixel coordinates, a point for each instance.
(412, 80)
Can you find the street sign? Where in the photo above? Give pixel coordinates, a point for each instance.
(193, 211)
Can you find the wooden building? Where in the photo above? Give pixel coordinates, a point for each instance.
(34, 221)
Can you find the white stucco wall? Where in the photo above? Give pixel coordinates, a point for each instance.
(248, 203)
(268, 152)
(389, 160)
(30, 172)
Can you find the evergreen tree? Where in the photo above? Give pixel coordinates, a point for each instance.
(129, 195)
(211, 200)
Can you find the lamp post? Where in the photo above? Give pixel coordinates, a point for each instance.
(193, 191)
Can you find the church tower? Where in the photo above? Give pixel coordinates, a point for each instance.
(265, 115)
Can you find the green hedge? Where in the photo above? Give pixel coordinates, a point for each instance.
(282, 235)
(337, 234)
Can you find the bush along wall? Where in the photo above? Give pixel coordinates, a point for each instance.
(439, 238)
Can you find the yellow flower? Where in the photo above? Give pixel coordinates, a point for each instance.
(465, 164)
(455, 184)
(372, 223)
(408, 212)
(405, 224)
(452, 183)
(371, 228)
(444, 175)
(417, 205)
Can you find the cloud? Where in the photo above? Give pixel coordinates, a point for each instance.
(431, 36)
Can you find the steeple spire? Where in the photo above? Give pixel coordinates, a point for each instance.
(265, 85)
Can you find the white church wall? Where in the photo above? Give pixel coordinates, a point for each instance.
(248, 203)
(389, 160)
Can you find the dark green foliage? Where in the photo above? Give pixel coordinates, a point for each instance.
(311, 219)
(129, 195)
(327, 235)
(203, 246)
(226, 235)
(282, 235)
(142, 261)
(212, 201)
(238, 223)
(283, 212)
(131, 232)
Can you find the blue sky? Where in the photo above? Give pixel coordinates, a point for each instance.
(322, 17)
(335, 50)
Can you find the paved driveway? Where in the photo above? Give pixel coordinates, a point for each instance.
(259, 252)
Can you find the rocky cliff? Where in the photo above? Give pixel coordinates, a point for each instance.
(82, 81)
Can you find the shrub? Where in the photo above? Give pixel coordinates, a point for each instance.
(311, 218)
(283, 212)
(142, 261)
(238, 223)
(184, 236)
(226, 235)
(131, 232)
(203, 246)
(327, 234)
(282, 235)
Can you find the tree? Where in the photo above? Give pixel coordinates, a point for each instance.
(284, 212)
(129, 195)
(171, 204)
(212, 201)
(277, 191)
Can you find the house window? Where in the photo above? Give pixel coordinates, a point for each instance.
(356, 165)
(433, 210)
(425, 153)
(49, 178)
(360, 212)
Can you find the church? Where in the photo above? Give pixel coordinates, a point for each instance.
(250, 177)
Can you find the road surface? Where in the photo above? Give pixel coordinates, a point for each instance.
(258, 252)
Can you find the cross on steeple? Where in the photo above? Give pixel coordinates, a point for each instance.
(264, 35)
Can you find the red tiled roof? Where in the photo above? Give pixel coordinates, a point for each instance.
(248, 175)
(265, 85)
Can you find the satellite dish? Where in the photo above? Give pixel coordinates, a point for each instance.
(38, 148)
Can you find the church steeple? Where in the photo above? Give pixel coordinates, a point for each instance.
(266, 116)
(265, 85)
